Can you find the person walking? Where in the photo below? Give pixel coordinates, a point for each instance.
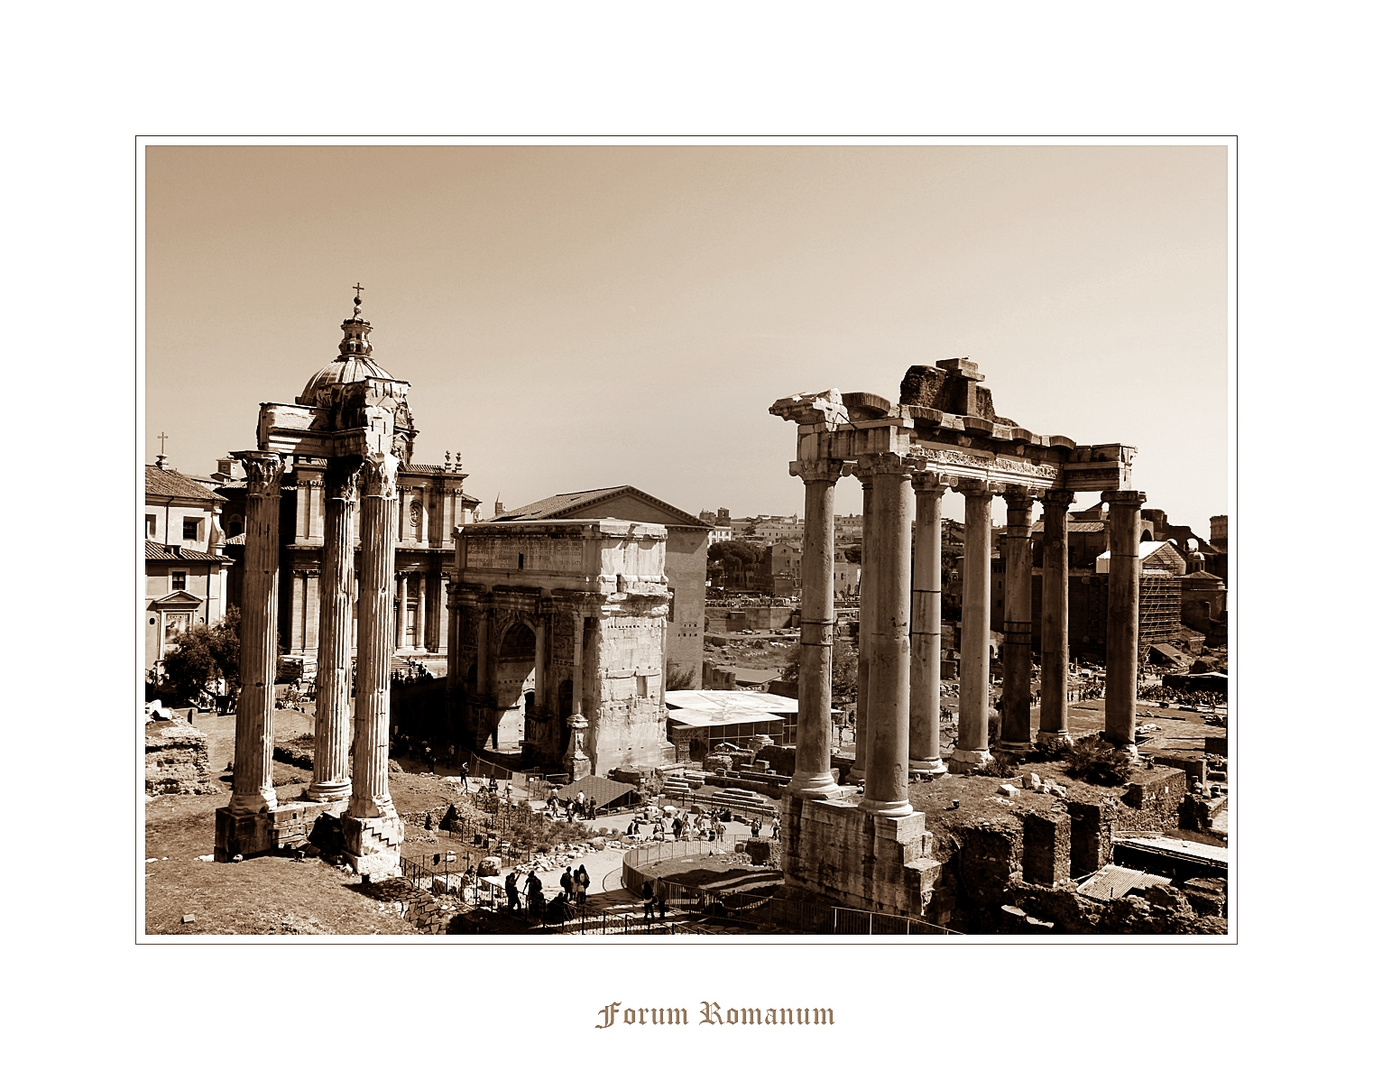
(581, 803)
(462, 775)
(512, 890)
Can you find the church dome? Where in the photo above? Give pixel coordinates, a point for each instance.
(354, 363)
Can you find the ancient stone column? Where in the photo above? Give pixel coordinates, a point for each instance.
(970, 751)
(865, 579)
(1053, 669)
(578, 661)
(1122, 617)
(372, 833)
(889, 641)
(422, 598)
(812, 777)
(926, 604)
(402, 615)
(334, 681)
(253, 791)
(1015, 652)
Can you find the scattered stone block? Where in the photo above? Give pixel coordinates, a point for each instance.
(186, 919)
(1006, 789)
(489, 866)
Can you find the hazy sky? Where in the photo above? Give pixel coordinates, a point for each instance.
(578, 317)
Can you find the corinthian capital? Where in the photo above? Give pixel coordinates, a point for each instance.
(341, 478)
(263, 469)
(885, 464)
(821, 469)
(379, 475)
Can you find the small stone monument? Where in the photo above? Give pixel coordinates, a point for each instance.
(575, 760)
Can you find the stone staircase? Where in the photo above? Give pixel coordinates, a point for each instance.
(680, 792)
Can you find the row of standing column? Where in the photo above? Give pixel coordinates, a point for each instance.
(899, 628)
(372, 480)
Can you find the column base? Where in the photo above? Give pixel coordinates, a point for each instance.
(371, 845)
(857, 774)
(823, 786)
(970, 761)
(330, 790)
(261, 801)
(928, 766)
(1052, 739)
(1014, 747)
(897, 809)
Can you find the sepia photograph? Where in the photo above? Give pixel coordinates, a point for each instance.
(691, 539)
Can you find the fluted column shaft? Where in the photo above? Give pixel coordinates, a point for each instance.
(889, 642)
(423, 597)
(1053, 634)
(253, 791)
(371, 782)
(926, 612)
(971, 752)
(860, 714)
(332, 714)
(812, 777)
(483, 652)
(402, 615)
(1122, 616)
(1015, 653)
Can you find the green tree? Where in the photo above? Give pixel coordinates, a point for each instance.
(843, 676)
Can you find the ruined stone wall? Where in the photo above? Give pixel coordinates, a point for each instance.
(176, 760)
(622, 692)
(542, 553)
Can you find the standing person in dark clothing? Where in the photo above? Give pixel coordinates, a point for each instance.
(567, 883)
(591, 808)
(648, 900)
(462, 774)
(512, 890)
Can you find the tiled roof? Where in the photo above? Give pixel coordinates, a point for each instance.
(164, 553)
(170, 484)
(573, 503)
(599, 788)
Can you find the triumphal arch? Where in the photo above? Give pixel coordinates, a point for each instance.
(942, 434)
(354, 421)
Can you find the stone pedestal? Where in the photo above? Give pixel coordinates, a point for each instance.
(889, 670)
(575, 760)
(812, 777)
(926, 595)
(253, 791)
(1016, 660)
(331, 781)
(1122, 617)
(1053, 671)
(372, 832)
(971, 751)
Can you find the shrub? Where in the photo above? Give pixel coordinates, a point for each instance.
(1097, 761)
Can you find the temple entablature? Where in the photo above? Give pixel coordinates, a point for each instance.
(844, 427)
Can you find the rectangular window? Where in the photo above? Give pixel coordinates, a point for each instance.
(178, 579)
(642, 687)
(671, 604)
(190, 528)
(150, 523)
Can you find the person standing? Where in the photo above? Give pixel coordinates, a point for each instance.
(462, 774)
(512, 890)
(648, 900)
(581, 880)
(567, 883)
